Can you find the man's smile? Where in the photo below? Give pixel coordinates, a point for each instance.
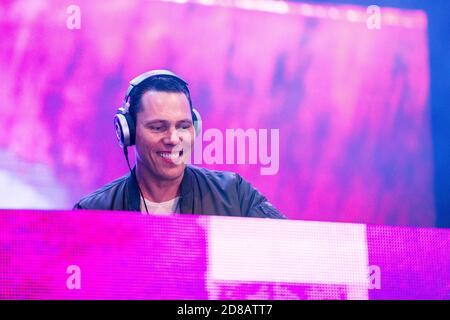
(170, 156)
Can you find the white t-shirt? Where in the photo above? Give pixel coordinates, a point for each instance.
(161, 208)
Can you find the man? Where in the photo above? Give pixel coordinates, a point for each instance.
(160, 121)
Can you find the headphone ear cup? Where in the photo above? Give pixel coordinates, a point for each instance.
(132, 128)
(197, 119)
(125, 129)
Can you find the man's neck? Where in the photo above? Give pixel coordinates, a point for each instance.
(155, 189)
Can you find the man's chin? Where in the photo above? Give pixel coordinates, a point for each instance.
(171, 174)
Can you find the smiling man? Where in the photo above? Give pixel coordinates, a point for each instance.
(158, 118)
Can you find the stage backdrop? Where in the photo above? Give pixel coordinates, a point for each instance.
(350, 103)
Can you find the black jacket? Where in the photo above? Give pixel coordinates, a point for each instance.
(202, 191)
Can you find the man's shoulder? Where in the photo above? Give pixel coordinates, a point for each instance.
(223, 179)
(102, 198)
(238, 195)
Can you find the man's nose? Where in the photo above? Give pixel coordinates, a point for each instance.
(172, 137)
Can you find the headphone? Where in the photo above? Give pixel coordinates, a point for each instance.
(124, 123)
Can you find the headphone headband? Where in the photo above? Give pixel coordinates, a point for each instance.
(149, 74)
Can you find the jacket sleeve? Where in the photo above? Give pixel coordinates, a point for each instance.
(77, 206)
(253, 203)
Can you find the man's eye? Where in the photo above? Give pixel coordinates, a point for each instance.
(185, 126)
(157, 128)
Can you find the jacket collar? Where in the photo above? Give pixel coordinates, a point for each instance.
(133, 198)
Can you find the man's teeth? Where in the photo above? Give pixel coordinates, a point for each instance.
(169, 155)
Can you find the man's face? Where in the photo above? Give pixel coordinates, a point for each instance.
(164, 134)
